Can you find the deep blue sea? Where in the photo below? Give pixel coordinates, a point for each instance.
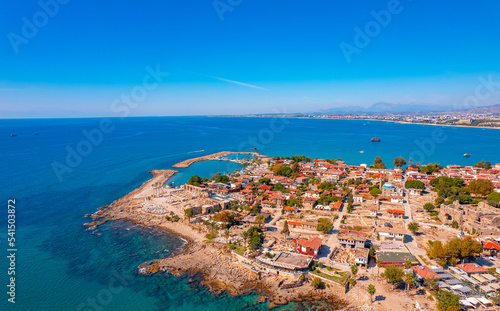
(61, 174)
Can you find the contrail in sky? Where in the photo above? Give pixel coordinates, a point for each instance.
(240, 83)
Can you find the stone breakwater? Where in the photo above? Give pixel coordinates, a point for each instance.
(210, 157)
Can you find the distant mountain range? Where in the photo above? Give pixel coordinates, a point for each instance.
(410, 109)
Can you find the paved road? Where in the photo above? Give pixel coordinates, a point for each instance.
(332, 241)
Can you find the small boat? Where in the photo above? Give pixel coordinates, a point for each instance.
(13, 135)
(466, 155)
(253, 148)
(375, 139)
(361, 151)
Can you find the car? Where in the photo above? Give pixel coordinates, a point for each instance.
(388, 224)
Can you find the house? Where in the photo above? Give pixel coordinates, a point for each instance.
(396, 258)
(308, 203)
(336, 206)
(468, 268)
(397, 199)
(415, 191)
(361, 256)
(290, 209)
(491, 248)
(357, 198)
(303, 225)
(323, 207)
(392, 234)
(425, 273)
(351, 239)
(373, 210)
(396, 213)
(309, 247)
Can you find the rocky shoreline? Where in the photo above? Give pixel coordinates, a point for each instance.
(210, 265)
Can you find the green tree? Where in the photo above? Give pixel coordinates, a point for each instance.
(413, 227)
(494, 199)
(429, 207)
(264, 181)
(377, 163)
(371, 290)
(286, 230)
(399, 162)
(261, 220)
(375, 192)
(495, 298)
(414, 184)
(189, 213)
(481, 187)
(324, 225)
(393, 274)
(255, 237)
(195, 180)
(222, 179)
(408, 264)
(352, 282)
(447, 301)
(256, 208)
(317, 283)
(354, 270)
(431, 283)
(409, 280)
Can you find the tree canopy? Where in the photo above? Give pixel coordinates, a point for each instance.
(414, 184)
(195, 180)
(324, 225)
(375, 192)
(393, 273)
(482, 187)
(447, 301)
(455, 249)
(399, 162)
(494, 199)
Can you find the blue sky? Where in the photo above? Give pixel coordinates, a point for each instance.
(241, 56)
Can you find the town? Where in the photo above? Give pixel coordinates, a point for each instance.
(428, 231)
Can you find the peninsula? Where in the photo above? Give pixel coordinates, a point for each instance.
(322, 232)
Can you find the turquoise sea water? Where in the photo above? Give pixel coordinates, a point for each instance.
(61, 266)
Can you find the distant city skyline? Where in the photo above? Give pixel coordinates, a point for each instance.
(93, 59)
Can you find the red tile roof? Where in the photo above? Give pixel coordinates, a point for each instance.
(425, 272)
(471, 268)
(491, 245)
(395, 211)
(314, 243)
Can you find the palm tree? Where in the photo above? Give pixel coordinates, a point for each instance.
(410, 280)
(371, 290)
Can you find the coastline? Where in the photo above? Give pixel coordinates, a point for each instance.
(368, 119)
(209, 265)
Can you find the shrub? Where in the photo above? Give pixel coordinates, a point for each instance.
(318, 283)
